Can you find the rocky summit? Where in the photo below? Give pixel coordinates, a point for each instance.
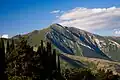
(78, 42)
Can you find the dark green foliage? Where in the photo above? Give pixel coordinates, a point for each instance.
(23, 61)
(25, 64)
(78, 74)
(58, 63)
(47, 68)
(108, 75)
(2, 47)
(19, 59)
(3, 75)
(54, 59)
(87, 74)
(12, 45)
(8, 47)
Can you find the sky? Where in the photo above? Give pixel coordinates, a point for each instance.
(96, 16)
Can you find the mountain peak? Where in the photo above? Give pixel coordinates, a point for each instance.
(74, 41)
(55, 24)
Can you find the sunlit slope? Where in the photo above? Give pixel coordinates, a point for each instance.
(79, 42)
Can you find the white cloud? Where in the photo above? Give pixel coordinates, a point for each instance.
(55, 11)
(5, 36)
(57, 16)
(91, 19)
(117, 31)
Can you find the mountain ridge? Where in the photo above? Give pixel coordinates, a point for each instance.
(95, 42)
(89, 42)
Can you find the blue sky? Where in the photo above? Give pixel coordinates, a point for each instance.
(23, 16)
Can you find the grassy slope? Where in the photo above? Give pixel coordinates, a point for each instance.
(114, 53)
(96, 64)
(117, 39)
(36, 36)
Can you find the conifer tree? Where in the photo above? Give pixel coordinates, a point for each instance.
(3, 76)
(13, 44)
(41, 46)
(49, 48)
(54, 60)
(59, 63)
(8, 47)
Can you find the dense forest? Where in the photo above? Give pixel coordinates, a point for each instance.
(20, 62)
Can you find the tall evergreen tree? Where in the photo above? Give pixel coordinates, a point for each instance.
(8, 47)
(3, 76)
(12, 46)
(59, 63)
(54, 60)
(49, 48)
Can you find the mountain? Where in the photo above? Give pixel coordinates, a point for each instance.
(78, 48)
(33, 38)
(117, 39)
(75, 41)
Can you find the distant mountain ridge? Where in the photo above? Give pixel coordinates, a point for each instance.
(75, 41)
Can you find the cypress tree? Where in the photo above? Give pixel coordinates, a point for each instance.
(54, 60)
(49, 48)
(2, 60)
(59, 63)
(39, 50)
(8, 47)
(13, 44)
(41, 46)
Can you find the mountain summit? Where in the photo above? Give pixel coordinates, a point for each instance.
(75, 41)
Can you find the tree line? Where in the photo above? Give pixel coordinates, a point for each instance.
(20, 62)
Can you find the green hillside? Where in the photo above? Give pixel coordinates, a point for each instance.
(34, 38)
(96, 64)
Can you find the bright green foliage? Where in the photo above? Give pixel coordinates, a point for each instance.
(34, 37)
